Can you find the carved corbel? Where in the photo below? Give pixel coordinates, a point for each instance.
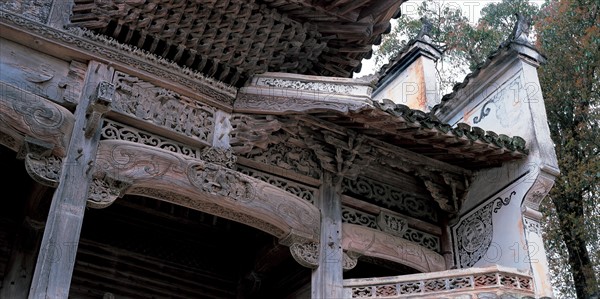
(43, 167)
(541, 186)
(104, 191)
(307, 255)
(99, 106)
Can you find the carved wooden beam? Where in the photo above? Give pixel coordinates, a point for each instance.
(207, 187)
(370, 242)
(25, 114)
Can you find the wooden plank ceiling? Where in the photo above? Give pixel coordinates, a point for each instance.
(231, 40)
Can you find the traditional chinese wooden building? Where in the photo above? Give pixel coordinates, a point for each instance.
(221, 149)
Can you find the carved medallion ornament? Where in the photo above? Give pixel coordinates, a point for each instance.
(474, 233)
(164, 108)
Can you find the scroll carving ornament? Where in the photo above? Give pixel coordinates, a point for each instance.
(297, 189)
(118, 131)
(390, 197)
(164, 108)
(23, 113)
(306, 254)
(532, 225)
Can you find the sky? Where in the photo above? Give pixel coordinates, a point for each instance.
(470, 8)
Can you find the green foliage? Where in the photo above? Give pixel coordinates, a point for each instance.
(569, 34)
(463, 44)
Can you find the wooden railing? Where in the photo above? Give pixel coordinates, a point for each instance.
(462, 281)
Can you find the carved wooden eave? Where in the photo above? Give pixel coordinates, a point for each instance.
(124, 167)
(232, 40)
(84, 45)
(282, 93)
(346, 103)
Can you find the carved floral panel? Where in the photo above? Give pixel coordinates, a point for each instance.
(164, 108)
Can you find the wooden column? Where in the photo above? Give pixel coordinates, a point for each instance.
(327, 279)
(54, 267)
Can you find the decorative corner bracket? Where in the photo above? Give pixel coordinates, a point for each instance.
(104, 191)
(43, 167)
(307, 255)
(99, 106)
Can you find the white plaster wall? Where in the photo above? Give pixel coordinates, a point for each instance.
(416, 87)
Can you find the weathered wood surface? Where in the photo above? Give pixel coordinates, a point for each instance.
(41, 74)
(327, 279)
(25, 114)
(206, 187)
(56, 259)
(370, 242)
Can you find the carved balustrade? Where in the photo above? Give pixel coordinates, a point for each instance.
(491, 281)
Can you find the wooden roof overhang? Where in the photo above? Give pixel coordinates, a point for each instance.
(232, 40)
(347, 104)
(366, 140)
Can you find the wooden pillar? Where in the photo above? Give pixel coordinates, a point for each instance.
(54, 267)
(21, 263)
(327, 279)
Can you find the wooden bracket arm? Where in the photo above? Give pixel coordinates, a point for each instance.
(101, 104)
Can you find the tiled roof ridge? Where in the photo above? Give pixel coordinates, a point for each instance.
(473, 134)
